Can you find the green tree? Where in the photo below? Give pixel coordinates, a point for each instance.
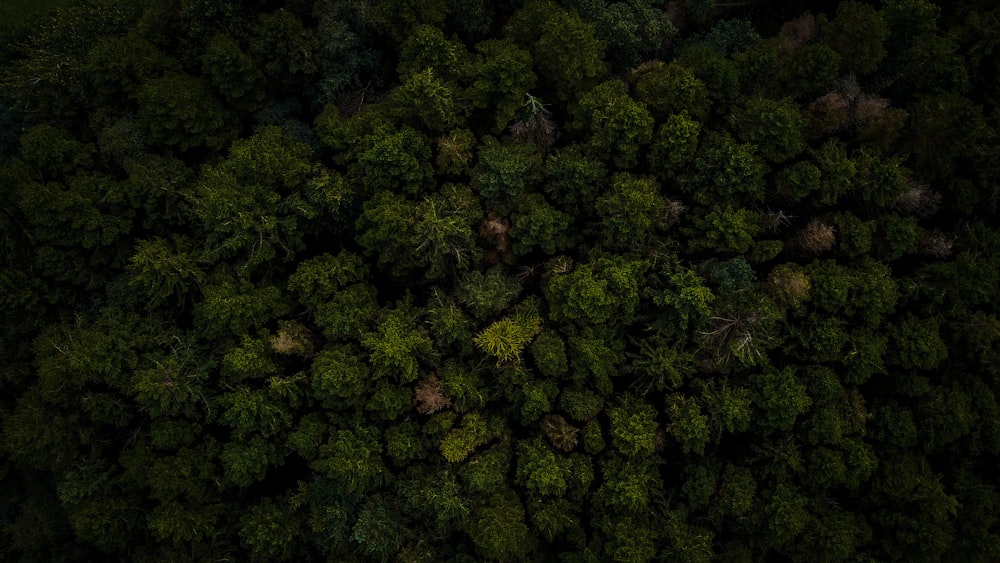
(724, 169)
(726, 230)
(674, 145)
(232, 306)
(488, 293)
(340, 373)
(245, 463)
(596, 292)
(504, 172)
(536, 224)
(285, 48)
(628, 485)
(269, 533)
(857, 33)
(633, 427)
(474, 432)
(180, 111)
(428, 48)
(688, 425)
(781, 397)
(503, 77)
(549, 354)
(541, 470)
(775, 127)
(352, 460)
(427, 99)
(397, 344)
(617, 126)
(498, 529)
(242, 201)
(398, 161)
(809, 69)
(166, 269)
(631, 211)
(233, 73)
(506, 338)
(565, 49)
(672, 89)
(635, 31)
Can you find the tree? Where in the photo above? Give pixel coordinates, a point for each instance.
(542, 471)
(633, 427)
(243, 464)
(688, 425)
(723, 169)
(498, 529)
(474, 432)
(503, 77)
(775, 127)
(269, 532)
(631, 211)
(628, 485)
(352, 460)
(918, 343)
(251, 203)
(857, 32)
(729, 407)
(340, 374)
(572, 179)
(397, 161)
(549, 354)
(637, 31)
(486, 294)
(427, 48)
(781, 397)
(716, 71)
(181, 111)
(434, 235)
(397, 343)
(429, 99)
(286, 50)
(401, 17)
(233, 73)
(685, 295)
(809, 69)
(674, 145)
(504, 172)
(672, 89)
(726, 230)
(536, 224)
(166, 269)
(232, 306)
(585, 295)
(617, 126)
(506, 338)
(565, 49)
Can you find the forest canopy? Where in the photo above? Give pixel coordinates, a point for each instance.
(530, 280)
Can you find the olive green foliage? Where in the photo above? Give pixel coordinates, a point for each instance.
(774, 127)
(180, 111)
(461, 280)
(617, 126)
(673, 88)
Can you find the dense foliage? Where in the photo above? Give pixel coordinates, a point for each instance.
(461, 280)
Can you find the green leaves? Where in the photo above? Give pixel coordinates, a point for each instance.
(585, 295)
(633, 427)
(775, 127)
(181, 111)
(506, 338)
(166, 269)
(396, 345)
(617, 126)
